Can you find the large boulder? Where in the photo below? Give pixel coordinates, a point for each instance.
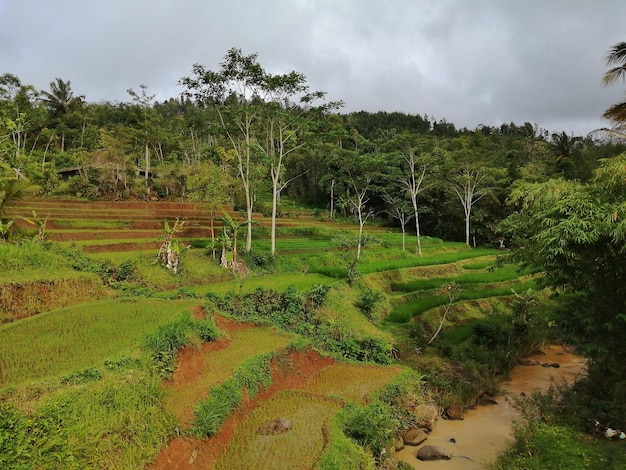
(455, 412)
(429, 452)
(426, 416)
(414, 436)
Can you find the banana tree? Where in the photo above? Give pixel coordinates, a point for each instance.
(170, 251)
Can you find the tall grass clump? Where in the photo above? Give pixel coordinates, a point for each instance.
(28, 255)
(115, 423)
(251, 375)
(164, 343)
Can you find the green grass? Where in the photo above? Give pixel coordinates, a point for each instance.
(298, 448)
(505, 273)
(551, 447)
(117, 422)
(92, 223)
(277, 282)
(63, 340)
(15, 258)
(404, 312)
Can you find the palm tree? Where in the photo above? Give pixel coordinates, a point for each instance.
(566, 149)
(60, 99)
(616, 57)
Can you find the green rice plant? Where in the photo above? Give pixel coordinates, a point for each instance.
(458, 253)
(404, 312)
(297, 448)
(164, 343)
(350, 382)
(92, 223)
(251, 375)
(343, 453)
(220, 364)
(505, 273)
(60, 341)
(482, 263)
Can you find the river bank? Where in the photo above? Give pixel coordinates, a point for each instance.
(486, 430)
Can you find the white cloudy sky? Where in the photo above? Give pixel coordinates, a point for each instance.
(469, 61)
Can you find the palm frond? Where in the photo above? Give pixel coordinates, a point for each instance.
(616, 113)
(616, 56)
(12, 191)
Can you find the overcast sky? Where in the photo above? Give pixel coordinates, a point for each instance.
(470, 62)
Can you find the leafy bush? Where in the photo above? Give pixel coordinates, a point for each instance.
(373, 426)
(367, 301)
(15, 451)
(294, 312)
(316, 296)
(258, 259)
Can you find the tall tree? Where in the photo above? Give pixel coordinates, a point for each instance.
(413, 184)
(17, 118)
(144, 101)
(360, 174)
(237, 91)
(469, 186)
(574, 234)
(60, 101)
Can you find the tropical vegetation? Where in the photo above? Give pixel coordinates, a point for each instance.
(395, 251)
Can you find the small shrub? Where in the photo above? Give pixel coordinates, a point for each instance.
(373, 426)
(207, 330)
(367, 301)
(259, 259)
(163, 344)
(121, 363)
(89, 374)
(126, 271)
(185, 293)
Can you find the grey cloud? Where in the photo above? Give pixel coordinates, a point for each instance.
(479, 62)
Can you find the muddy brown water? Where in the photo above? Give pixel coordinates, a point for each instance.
(486, 430)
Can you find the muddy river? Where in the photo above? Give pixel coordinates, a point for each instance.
(486, 430)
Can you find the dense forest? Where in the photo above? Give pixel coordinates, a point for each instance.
(242, 137)
(239, 136)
